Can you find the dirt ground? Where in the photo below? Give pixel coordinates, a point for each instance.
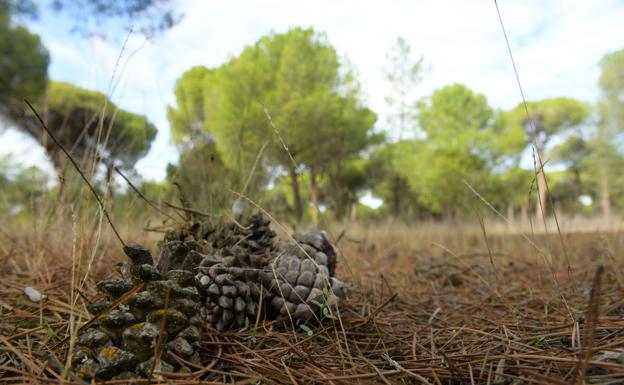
(425, 305)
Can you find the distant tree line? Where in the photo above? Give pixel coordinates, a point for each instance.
(285, 125)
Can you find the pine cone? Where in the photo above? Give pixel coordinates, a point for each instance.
(228, 290)
(300, 280)
(214, 274)
(122, 343)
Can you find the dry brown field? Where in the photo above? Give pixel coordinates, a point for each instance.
(426, 304)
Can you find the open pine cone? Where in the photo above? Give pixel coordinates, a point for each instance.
(219, 275)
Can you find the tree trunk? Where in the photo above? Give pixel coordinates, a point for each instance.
(314, 198)
(524, 213)
(510, 213)
(339, 208)
(447, 213)
(353, 212)
(605, 197)
(110, 191)
(294, 184)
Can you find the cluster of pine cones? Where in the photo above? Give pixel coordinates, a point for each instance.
(224, 275)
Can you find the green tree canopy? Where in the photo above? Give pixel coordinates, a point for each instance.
(465, 141)
(287, 90)
(188, 119)
(90, 126)
(549, 117)
(85, 120)
(202, 176)
(23, 66)
(387, 180)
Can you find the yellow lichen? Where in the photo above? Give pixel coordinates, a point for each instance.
(137, 326)
(109, 352)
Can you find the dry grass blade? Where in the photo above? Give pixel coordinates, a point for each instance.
(591, 319)
(82, 175)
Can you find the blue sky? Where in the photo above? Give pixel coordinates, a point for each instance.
(557, 45)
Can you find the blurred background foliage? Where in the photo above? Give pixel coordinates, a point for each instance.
(285, 124)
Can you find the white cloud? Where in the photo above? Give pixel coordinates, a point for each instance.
(557, 46)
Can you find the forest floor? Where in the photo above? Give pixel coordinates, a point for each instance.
(438, 305)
